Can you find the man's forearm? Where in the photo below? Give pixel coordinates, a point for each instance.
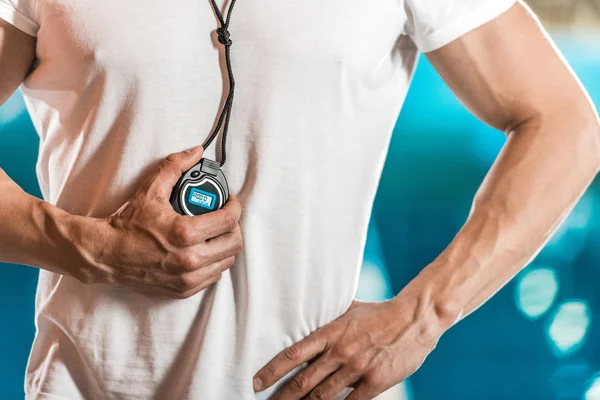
(542, 171)
(36, 233)
(144, 245)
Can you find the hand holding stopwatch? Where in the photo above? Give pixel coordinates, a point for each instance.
(203, 188)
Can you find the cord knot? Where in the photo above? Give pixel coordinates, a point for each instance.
(223, 36)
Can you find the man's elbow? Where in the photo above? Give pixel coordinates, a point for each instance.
(572, 125)
(587, 130)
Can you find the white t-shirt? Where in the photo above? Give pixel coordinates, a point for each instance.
(120, 84)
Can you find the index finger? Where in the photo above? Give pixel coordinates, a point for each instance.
(216, 223)
(290, 358)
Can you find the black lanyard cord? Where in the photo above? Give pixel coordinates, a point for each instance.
(223, 37)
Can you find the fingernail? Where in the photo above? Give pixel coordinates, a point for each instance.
(257, 384)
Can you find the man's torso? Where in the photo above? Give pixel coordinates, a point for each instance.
(120, 85)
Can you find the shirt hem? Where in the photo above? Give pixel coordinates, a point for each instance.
(18, 20)
(484, 13)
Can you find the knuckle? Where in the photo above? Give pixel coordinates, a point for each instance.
(292, 353)
(230, 262)
(318, 393)
(357, 364)
(182, 234)
(187, 282)
(170, 164)
(299, 383)
(225, 264)
(233, 249)
(238, 244)
(189, 261)
(342, 352)
(230, 221)
(214, 278)
(172, 158)
(269, 372)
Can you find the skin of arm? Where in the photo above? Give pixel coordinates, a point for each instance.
(509, 74)
(144, 246)
(17, 53)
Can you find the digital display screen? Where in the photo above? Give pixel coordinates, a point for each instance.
(202, 198)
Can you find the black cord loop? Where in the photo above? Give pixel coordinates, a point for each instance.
(223, 38)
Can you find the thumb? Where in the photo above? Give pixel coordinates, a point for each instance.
(172, 167)
(186, 159)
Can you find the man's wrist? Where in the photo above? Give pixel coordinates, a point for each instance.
(436, 304)
(445, 289)
(74, 243)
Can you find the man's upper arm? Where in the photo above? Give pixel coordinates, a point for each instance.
(508, 71)
(17, 53)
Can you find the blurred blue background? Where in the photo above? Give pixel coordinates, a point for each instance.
(539, 338)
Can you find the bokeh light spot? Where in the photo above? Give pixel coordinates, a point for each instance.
(569, 327)
(569, 240)
(536, 291)
(373, 283)
(401, 391)
(593, 392)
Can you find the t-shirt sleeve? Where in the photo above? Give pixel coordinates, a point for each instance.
(20, 14)
(434, 23)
